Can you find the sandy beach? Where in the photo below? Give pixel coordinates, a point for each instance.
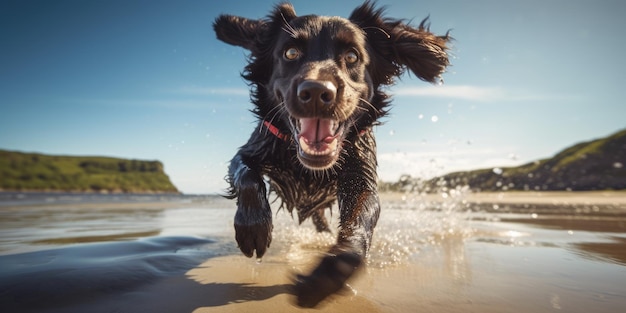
(609, 203)
(523, 197)
(430, 254)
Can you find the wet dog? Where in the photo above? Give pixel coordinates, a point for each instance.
(317, 89)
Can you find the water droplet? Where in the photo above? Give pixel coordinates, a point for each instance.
(259, 260)
(618, 165)
(495, 206)
(351, 290)
(570, 232)
(534, 215)
(392, 132)
(421, 116)
(434, 118)
(497, 170)
(555, 300)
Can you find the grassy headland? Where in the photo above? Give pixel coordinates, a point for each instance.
(594, 165)
(39, 172)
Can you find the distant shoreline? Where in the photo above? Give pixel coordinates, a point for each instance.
(589, 203)
(530, 197)
(89, 200)
(91, 192)
(596, 203)
(504, 197)
(499, 196)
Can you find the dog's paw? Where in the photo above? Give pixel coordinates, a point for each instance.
(328, 278)
(253, 231)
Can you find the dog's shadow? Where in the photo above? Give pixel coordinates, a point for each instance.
(225, 281)
(220, 294)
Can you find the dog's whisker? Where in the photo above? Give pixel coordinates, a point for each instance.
(278, 107)
(369, 104)
(277, 110)
(362, 109)
(289, 29)
(356, 130)
(271, 120)
(288, 32)
(262, 130)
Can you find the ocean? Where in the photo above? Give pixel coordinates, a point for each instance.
(177, 253)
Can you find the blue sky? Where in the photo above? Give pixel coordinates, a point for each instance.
(148, 80)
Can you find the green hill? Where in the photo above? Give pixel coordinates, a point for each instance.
(40, 172)
(594, 165)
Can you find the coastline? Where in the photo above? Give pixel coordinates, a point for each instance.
(568, 202)
(519, 197)
(617, 197)
(588, 203)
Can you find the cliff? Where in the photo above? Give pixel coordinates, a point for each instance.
(40, 172)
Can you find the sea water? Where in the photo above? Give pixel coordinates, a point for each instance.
(58, 249)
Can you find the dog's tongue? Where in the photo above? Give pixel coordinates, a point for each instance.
(315, 130)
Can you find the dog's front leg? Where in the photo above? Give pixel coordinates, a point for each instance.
(253, 220)
(359, 209)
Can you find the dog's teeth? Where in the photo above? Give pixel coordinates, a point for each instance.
(329, 148)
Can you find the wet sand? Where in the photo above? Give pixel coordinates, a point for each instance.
(521, 197)
(547, 202)
(444, 260)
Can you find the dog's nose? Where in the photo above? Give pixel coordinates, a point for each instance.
(317, 92)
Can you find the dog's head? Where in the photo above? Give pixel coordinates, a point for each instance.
(319, 76)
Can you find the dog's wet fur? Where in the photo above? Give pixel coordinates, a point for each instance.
(317, 89)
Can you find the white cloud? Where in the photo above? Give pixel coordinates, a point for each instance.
(465, 92)
(477, 93)
(435, 163)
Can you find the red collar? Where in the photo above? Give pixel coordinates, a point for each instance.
(274, 130)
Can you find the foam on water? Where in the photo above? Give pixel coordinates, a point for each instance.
(406, 226)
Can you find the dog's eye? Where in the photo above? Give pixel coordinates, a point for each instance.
(292, 54)
(351, 57)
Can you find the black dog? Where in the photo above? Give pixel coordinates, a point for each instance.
(317, 92)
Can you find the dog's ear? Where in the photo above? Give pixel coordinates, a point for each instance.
(247, 33)
(238, 31)
(423, 52)
(395, 46)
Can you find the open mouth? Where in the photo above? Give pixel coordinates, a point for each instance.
(319, 141)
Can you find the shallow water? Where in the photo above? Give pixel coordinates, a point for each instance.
(68, 253)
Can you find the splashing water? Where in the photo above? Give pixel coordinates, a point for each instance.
(415, 222)
(408, 224)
